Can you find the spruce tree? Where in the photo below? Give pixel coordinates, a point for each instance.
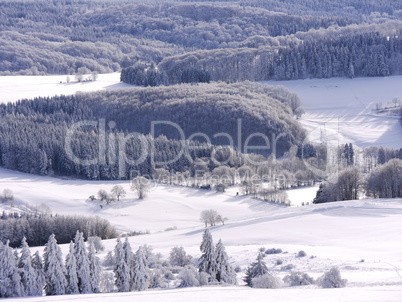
(71, 268)
(129, 260)
(141, 276)
(208, 260)
(10, 285)
(224, 271)
(37, 264)
(121, 269)
(95, 269)
(54, 269)
(27, 272)
(80, 252)
(256, 269)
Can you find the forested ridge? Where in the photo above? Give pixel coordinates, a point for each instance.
(33, 132)
(245, 40)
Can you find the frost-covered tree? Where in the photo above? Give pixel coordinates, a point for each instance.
(71, 269)
(129, 260)
(188, 276)
(95, 269)
(141, 277)
(256, 269)
(207, 262)
(121, 269)
(37, 264)
(178, 257)
(224, 271)
(332, 279)
(28, 274)
(97, 242)
(10, 280)
(83, 272)
(118, 191)
(142, 185)
(298, 279)
(54, 268)
(266, 281)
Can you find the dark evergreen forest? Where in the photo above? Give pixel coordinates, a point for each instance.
(33, 133)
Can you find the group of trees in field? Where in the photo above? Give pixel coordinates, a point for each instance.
(377, 175)
(36, 228)
(23, 274)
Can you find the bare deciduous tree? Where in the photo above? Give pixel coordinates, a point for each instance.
(142, 185)
(118, 191)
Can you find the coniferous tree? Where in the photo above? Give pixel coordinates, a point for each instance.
(71, 269)
(121, 269)
(28, 275)
(141, 278)
(37, 264)
(208, 259)
(95, 269)
(256, 269)
(54, 268)
(129, 260)
(10, 285)
(224, 271)
(81, 255)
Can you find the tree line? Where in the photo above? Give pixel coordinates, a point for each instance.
(36, 228)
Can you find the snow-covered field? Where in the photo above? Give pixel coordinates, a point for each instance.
(340, 234)
(13, 88)
(349, 105)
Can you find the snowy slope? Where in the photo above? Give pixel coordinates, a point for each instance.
(353, 102)
(340, 234)
(13, 88)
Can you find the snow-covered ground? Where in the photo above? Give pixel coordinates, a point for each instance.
(13, 88)
(349, 105)
(340, 234)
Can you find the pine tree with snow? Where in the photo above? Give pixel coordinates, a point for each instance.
(10, 280)
(224, 271)
(71, 268)
(121, 269)
(37, 265)
(208, 259)
(27, 272)
(256, 269)
(95, 269)
(141, 278)
(129, 259)
(83, 273)
(54, 268)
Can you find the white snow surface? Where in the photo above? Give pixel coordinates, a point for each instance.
(338, 234)
(349, 105)
(13, 88)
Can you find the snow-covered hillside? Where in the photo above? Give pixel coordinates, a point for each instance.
(14, 88)
(349, 105)
(341, 234)
(352, 102)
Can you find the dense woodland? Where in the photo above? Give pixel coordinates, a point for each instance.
(218, 40)
(33, 132)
